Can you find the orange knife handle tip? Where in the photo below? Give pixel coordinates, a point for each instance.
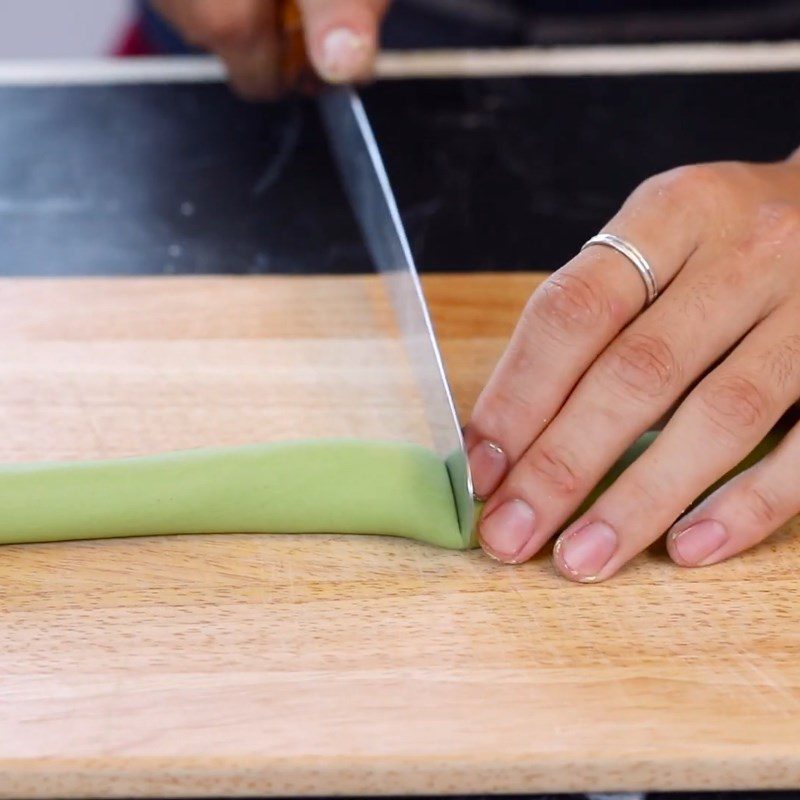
(296, 72)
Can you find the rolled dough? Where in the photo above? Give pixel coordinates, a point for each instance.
(322, 486)
(342, 486)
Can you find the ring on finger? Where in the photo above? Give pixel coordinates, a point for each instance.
(634, 255)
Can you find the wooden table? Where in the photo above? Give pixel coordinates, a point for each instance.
(253, 665)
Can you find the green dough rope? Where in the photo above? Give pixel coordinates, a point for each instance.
(323, 486)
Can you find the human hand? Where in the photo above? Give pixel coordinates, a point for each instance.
(341, 37)
(588, 370)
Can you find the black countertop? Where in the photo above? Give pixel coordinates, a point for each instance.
(490, 174)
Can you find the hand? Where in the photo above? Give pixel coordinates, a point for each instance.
(588, 370)
(341, 37)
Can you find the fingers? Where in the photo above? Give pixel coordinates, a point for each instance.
(571, 318)
(343, 36)
(242, 32)
(721, 421)
(627, 389)
(254, 72)
(743, 512)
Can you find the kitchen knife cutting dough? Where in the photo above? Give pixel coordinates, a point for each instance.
(686, 304)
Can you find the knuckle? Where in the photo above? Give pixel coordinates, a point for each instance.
(643, 363)
(685, 187)
(568, 303)
(495, 409)
(763, 505)
(735, 405)
(776, 223)
(784, 361)
(555, 467)
(766, 233)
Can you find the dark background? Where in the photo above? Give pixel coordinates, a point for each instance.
(489, 174)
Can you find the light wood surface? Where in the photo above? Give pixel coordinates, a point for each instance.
(250, 665)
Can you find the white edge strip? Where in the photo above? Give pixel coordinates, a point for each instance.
(595, 60)
(99, 71)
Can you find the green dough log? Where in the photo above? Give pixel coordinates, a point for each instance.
(323, 486)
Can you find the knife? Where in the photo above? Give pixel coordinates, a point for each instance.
(356, 154)
(366, 184)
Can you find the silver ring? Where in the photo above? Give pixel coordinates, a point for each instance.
(634, 256)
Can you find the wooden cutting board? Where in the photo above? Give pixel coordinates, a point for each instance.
(254, 665)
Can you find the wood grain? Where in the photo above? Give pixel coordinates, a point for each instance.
(248, 665)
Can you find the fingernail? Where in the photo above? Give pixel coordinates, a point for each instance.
(488, 464)
(507, 530)
(698, 542)
(586, 551)
(344, 55)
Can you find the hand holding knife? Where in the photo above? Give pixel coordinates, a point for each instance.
(271, 47)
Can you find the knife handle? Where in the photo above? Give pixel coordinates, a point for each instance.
(296, 72)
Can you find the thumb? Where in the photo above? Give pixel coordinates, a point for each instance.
(342, 37)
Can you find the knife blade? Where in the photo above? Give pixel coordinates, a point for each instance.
(366, 184)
